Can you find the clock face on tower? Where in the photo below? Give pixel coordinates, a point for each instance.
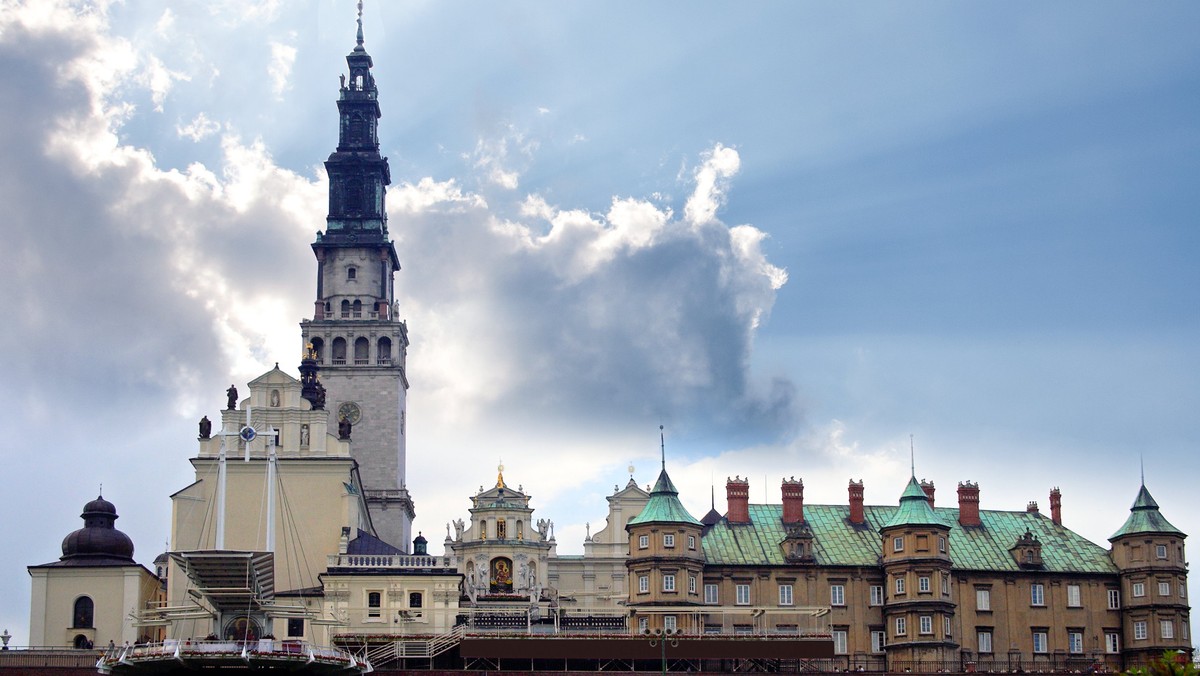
(350, 411)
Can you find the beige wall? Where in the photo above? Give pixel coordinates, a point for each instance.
(115, 591)
(346, 601)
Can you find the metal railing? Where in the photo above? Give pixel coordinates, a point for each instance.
(392, 561)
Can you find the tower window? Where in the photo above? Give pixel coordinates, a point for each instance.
(356, 310)
(319, 348)
(362, 348)
(339, 351)
(374, 602)
(384, 352)
(84, 613)
(345, 308)
(352, 272)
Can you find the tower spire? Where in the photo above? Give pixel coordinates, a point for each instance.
(662, 445)
(912, 457)
(360, 35)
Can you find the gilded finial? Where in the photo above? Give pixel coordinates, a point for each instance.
(500, 475)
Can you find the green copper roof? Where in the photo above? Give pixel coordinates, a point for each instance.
(664, 505)
(837, 542)
(914, 508)
(1144, 517)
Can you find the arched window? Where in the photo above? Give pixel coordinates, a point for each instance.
(82, 642)
(345, 308)
(384, 353)
(84, 614)
(362, 347)
(319, 348)
(339, 351)
(351, 272)
(374, 603)
(356, 309)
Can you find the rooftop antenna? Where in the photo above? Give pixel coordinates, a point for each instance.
(662, 445)
(1142, 466)
(360, 36)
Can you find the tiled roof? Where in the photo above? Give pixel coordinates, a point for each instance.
(664, 505)
(1144, 517)
(837, 542)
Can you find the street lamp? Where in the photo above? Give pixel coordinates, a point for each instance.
(661, 637)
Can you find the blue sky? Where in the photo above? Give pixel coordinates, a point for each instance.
(793, 233)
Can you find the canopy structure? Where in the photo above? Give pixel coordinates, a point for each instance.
(231, 581)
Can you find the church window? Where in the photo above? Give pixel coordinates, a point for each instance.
(318, 346)
(362, 349)
(351, 272)
(345, 308)
(354, 196)
(415, 599)
(384, 358)
(374, 603)
(83, 616)
(501, 529)
(295, 627)
(356, 311)
(339, 351)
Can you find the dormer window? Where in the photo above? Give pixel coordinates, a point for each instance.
(1027, 551)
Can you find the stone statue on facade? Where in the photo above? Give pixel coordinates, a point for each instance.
(303, 436)
(543, 527)
(344, 428)
(458, 529)
(231, 396)
(205, 428)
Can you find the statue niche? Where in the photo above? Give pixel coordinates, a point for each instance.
(501, 577)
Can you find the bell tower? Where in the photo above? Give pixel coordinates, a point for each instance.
(356, 337)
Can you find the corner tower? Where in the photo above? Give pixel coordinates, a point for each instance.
(359, 342)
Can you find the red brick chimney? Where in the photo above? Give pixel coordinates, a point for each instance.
(856, 502)
(927, 486)
(737, 495)
(1032, 507)
(968, 504)
(1056, 506)
(793, 500)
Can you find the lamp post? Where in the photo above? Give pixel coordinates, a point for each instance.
(660, 637)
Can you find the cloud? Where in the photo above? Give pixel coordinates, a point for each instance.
(199, 128)
(712, 182)
(493, 157)
(280, 67)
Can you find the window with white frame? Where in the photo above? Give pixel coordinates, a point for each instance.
(1139, 630)
(668, 539)
(899, 585)
(643, 584)
(691, 542)
(691, 584)
(839, 641)
(942, 544)
(785, 594)
(946, 626)
(1073, 599)
(1183, 590)
(742, 595)
(878, 641)
(945, 584)
(923, 584)
(983, 640)
(837, 595)
(710, 593)
(1112, 642)
(925, 624)
(669, 623)
(983, 598)
(643, 624)
(1037, 594)
(877, 595)
(1040, 642)
(1164, 588)
(897, 544)
(1075, 642)
(1114, 599)
(1139, 589)
(374, 604)
(1166, 629)
(1160, 551)
(901, 626)
(668, 582)
(643, 541)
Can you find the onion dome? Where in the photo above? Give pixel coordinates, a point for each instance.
(99, 541)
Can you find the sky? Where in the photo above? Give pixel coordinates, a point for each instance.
(821, 240)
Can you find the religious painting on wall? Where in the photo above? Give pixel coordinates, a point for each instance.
(501, 582)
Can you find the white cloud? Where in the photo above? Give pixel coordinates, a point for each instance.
(712, 182)
(199, 128)
(283, 57)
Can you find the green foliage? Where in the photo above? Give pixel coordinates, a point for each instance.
(1172, 663)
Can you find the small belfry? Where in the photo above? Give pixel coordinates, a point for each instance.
(355, 337)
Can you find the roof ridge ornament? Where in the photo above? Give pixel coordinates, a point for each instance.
(360, 32)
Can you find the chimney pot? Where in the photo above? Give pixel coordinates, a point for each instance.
(927, 486)
(737, 496)
(856, 502)
(793, 500)
(1032, 507)
(968, 504)
(1056, 506)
